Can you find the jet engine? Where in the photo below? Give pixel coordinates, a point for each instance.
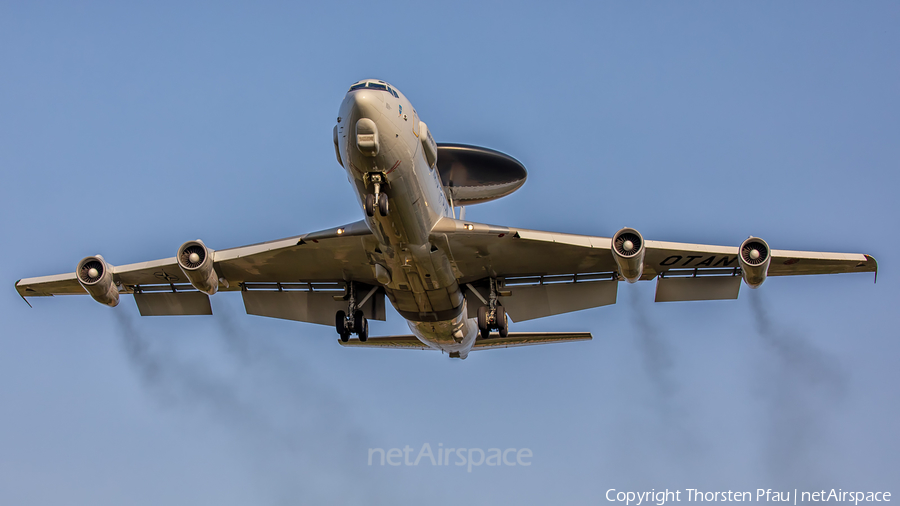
(628, 250)
(754, 257)
(95, 275)
(196, 262)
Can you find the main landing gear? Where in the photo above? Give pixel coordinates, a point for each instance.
(352, 321)
(493, 316)
(378, 199)
(357, 324)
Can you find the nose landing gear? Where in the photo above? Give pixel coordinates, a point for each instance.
(383, 207)
(377, 199)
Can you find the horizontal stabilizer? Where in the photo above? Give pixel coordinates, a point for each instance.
(409, 342)
(528, 338)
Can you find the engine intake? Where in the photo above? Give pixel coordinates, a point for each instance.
(196, 262)
(754, 257)
(95, 275)
(628, 251)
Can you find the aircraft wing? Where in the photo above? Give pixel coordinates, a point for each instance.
(548, 273)
(276, 277)
(481, 250)
(543, 273)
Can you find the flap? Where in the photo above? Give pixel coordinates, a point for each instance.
(530, 301)
(308, 306)
(173, 303)
(536, 301)
(697, 288)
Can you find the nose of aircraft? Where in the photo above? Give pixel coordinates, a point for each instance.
(365, 103)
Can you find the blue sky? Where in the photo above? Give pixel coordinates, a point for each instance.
(126, 130)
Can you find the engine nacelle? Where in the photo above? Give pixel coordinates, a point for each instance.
(628, 250)
(95, 275)
(196, 262)
(754, 256)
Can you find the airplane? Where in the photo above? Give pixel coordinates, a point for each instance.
(456, 282)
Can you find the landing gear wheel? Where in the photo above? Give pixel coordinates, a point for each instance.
(502, 322)
(383, 207)
(483, 323)
(370, 204)
(339, 318)
(358, 321)
(363, 333)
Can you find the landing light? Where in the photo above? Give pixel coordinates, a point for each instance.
(340, 231)
(469, 226)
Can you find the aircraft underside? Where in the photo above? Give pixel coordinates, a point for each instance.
(458, 283)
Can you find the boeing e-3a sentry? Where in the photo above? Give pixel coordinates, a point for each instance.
(455, 281)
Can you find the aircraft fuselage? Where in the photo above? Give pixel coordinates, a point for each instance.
(382, 143)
